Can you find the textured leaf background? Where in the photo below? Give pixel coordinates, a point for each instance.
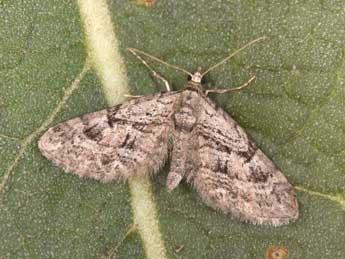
(294, 112)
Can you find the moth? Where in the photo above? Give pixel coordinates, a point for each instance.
(206, 146)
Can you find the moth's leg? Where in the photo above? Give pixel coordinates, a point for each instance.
(221, 91)
(166, 83)
(154, 73)
(132, 96)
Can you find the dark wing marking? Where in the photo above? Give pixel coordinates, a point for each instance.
(113, 144)
(233, 175)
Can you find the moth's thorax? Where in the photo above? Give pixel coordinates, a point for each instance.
(186, 115)
(195, 86)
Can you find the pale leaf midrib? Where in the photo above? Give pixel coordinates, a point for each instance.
(103, 49)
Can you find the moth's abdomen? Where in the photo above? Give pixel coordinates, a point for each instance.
(184, 138)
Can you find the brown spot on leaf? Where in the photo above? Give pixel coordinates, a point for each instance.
(277, 252)
(146, 2)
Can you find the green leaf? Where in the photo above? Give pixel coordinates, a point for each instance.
(294, 112)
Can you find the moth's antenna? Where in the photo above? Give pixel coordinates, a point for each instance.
(136, 51)
(233, 54)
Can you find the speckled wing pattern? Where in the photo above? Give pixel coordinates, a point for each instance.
(113, 144)
(208, 148)
(232, 174)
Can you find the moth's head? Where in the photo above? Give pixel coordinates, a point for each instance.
(196, 77)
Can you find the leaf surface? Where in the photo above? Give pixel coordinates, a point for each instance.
(294, 112)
